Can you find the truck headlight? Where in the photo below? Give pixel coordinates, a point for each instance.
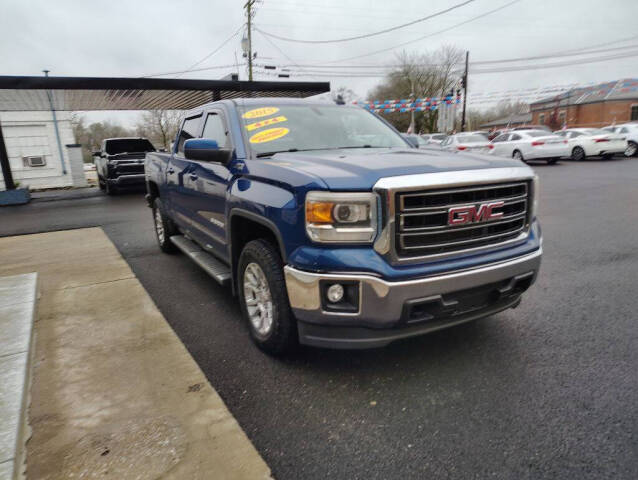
(535, 192)
(333, 217)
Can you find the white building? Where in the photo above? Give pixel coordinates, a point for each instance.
(34, 150)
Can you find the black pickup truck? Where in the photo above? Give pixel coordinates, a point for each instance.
(120, 163)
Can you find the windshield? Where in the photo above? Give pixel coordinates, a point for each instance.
(595, 131)
(439, 137)
(471, 138)
(314, 127)
(128, 145)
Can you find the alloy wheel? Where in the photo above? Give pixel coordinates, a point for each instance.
(159, 225)
(258, 299)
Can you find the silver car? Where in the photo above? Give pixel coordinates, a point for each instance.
(467, 142)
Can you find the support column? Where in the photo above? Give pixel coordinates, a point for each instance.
(4, 163)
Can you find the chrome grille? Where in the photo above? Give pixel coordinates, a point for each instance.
(422, 218)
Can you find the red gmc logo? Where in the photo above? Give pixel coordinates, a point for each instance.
(473, 213)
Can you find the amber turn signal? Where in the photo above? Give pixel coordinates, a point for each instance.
(319, 212)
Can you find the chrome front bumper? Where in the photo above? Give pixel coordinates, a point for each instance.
(381, 313)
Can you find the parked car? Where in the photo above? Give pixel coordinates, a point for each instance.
(527, 145)
(467, 142)
(120, 163)
(592, 142)
(630, 132)
(333, 232)
(495, 133)
(434, 138)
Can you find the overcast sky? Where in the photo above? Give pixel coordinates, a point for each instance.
(144, 37)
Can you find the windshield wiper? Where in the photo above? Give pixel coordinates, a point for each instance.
(357, 146)
(270, 154)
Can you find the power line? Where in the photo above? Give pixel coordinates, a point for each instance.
(368, 35)
(583, 61)
(216, 67)
(580, 52)
(426, 36)
(192, 67)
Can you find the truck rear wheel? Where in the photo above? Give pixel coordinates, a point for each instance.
(164, 228)
(264, 299)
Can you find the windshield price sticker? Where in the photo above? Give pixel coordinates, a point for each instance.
(262, 123)
(260, 112)
(269, 135)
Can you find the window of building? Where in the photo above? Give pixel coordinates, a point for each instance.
(541, 119)
(634, 112)
(562, 117)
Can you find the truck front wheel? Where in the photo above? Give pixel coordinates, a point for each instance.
(164, 228)
(264, 299)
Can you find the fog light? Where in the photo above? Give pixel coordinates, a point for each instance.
(335, 293)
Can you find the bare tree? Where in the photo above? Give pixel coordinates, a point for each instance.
(503, 109)
(431, 74)
(159, 126)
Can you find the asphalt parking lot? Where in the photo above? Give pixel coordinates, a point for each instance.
(548, 390)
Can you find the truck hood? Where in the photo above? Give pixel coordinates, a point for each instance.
(360, 169)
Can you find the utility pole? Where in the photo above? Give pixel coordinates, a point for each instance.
(55, 126)
(467, 62)
(249, 13)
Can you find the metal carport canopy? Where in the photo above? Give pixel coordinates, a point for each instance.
(20, 93)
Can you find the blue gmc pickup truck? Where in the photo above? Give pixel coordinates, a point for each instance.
(334, 231)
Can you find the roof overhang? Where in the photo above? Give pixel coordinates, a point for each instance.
(20, 93)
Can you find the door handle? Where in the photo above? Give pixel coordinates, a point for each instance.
(171, 171)
(193, 176)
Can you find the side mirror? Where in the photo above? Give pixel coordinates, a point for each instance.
(206, 150)
(97, 153)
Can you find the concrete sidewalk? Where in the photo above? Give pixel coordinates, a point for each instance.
(115, 394)
(17, 304)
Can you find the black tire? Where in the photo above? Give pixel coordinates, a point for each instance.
(518, 155)
(632, 149)
(110, 189)
(281, 336)
(552, 161)
(164, 227)
(578, 154)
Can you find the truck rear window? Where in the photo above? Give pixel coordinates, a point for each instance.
(128, 145)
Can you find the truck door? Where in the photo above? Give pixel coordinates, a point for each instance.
(207, 184)
(177, 171)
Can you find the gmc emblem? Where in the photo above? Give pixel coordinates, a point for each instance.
(474, 213)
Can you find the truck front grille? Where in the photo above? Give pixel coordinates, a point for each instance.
(422, 223)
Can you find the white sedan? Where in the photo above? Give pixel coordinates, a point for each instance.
(592, 142)
(434, 138)
(466, 142)
(527, 145)
(630, 132)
